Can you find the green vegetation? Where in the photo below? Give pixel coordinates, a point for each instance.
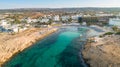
(95, 20)
(16, 21)
(80, 20)
(115, 28)
(89, 23)
(90, 19)
(108, 33)
(24, 21)
(70, 20)
(50, 21)
(101, 36)
(118, 33)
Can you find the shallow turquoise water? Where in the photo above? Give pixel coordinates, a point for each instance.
(58, 50)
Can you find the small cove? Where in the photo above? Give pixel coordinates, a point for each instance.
(60, 49)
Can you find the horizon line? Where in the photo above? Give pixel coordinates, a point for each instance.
(52, 7)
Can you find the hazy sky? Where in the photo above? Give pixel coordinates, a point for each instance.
(6, 4)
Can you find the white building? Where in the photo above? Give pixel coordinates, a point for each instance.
(56, 18)
(29, 20)
(65, 18)
(4, 23)
(104, 14)
(44, 20)
(114, 21)
(88, 15)
(34, 20)
(17, 29)
(84, 23)
(75, 17)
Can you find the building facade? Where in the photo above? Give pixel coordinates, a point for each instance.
(114, 21)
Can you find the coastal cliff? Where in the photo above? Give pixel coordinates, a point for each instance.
(12, 44)
(104, 52)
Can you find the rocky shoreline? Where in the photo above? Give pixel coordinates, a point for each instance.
(104, 52)
(12, 44)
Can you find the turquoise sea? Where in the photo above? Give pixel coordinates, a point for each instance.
(60, 49)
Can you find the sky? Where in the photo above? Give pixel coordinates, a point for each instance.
(11, 4)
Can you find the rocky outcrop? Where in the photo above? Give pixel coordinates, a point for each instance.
(11, 44)
(103, 53)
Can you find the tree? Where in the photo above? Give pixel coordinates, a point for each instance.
(70, 19)
(16, 21)
(50, 21)
(89, 23)
(80, 20)
(115, 28)
(24, 21)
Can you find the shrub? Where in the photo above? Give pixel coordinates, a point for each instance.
(118, 33)
(101, 36)
(115, 28)
(108, 33)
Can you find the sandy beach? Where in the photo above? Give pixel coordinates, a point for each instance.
(12, 44)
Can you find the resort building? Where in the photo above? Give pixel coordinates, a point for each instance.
(65, 18)
(4, 23)
(75, 17)
(84, 23)
(29, 20)
(17, 28)
(44, 20)
(56, 18)
(87, 15)
(114, 21)
(103, 14)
